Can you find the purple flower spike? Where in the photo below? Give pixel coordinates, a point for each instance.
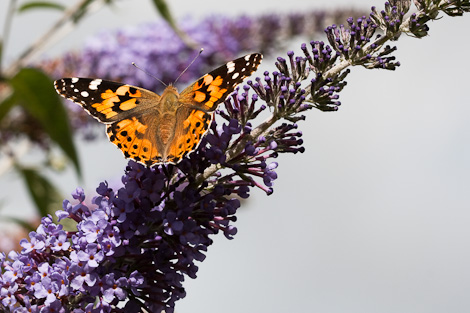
(131, 251)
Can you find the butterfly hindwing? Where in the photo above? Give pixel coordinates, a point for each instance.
(105, 100)
(213, 88)
(188, 133)
(137, 138)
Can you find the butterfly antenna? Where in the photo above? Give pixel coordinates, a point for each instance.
(200, 51)
(149, 74)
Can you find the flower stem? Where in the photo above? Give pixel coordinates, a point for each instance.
(236, 150)
(6, 30)
(63, 25)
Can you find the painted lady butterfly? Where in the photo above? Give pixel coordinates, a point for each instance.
(153, 129)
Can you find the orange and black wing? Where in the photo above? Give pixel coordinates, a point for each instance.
(131, 114)
(199, 100)
(191, 126)
(213, 88)
(137, 138)
(105, 100)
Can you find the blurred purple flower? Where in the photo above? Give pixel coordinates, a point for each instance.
(156, 48)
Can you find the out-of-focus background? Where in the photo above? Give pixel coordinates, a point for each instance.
(373, 217)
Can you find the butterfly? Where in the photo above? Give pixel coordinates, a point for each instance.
(157, 129)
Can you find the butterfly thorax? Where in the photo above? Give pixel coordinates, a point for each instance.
(169, 100)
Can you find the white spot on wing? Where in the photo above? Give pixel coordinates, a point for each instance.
(84, 94)
(74, 80)
(230, 67)
(247, 57)
(94, 84)
(235, 75)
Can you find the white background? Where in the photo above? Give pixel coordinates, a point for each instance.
(373, 217)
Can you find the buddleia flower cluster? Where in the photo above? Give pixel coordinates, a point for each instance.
(133, 246)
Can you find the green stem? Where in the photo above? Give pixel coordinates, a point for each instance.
(67, 20)
(6, 30)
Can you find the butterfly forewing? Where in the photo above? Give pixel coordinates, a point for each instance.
(143, 125)
(213, 88)
(105, 100)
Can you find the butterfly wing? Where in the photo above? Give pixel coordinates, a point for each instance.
(191, 126)
(213, 88)
(105, 100)
(203, 97)
(130, 113)
(137, 138)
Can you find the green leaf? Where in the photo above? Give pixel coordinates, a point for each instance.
(162, 7)
(82, 10)
(6, 105)
(36, 94)
(164, 11)
(40, 5)
(1, 57)
(44, 194)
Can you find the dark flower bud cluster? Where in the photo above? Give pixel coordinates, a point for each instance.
(285, 97)
(242, 107)
(354, 43)
(286, 138)
(351, 45)
(350, 41)
(391, 18)
(324, 92)
(455, 7)
(284, 91)
(322, 58)
(298, 67)
(429, 10)
(382, 59)
(417, 25)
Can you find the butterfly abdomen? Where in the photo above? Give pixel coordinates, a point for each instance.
(166, 128)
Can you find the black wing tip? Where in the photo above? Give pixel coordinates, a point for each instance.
(256, 55)
(59, 86)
